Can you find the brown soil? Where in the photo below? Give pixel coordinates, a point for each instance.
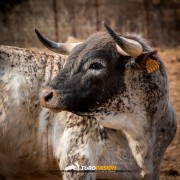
(170, 167)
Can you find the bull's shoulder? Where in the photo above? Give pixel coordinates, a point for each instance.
(33, 66)
(12, 49)
(22, 56)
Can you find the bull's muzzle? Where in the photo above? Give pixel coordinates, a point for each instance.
(49, 98)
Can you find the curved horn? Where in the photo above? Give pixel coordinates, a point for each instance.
(125, 46)
(62, 48)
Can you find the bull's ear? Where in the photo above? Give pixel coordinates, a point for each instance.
(125, 46)
(147, 61)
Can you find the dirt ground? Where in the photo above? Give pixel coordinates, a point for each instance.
(170, 167)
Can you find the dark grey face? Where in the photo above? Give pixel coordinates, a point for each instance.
(92, 74)
(95, 72)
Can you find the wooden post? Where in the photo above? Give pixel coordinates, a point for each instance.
(96, 5)
(148, 7)
(55, 20)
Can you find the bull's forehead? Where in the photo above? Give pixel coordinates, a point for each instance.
(97, 42)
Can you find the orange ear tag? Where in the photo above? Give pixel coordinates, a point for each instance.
(151, 65)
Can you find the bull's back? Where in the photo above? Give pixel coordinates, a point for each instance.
(25, 128)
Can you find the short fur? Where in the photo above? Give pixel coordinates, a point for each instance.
(129, 123)
(99, 83)
(26, 130)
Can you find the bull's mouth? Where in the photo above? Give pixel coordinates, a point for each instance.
(54, 101)
(78, 111)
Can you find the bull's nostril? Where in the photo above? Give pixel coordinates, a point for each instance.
(48, 97)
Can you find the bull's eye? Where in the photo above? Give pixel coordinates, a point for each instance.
(96, 66)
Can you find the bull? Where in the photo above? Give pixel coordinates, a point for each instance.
(116, 88)
(27, 132)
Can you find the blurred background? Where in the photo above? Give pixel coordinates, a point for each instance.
(158, 20)
(62, 20)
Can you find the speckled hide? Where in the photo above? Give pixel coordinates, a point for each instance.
(130, 130)
(26, 129)
(118, 88)
(35, 143)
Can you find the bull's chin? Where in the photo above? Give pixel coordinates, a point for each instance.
(77, 111)
(80, 111)
(54, 110)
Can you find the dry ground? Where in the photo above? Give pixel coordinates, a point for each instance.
(170, 168)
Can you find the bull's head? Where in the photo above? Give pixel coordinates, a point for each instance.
(94, 71)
